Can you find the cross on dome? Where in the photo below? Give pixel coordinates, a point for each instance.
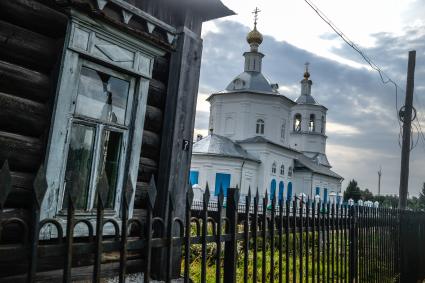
(255, 12)
(306, 73)
(254, 37)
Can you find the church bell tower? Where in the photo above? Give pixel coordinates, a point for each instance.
(308, 117)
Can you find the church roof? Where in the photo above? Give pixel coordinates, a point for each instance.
(306, 99)
(251, 81)
(221, 146)
(303, 161)
(260, 139)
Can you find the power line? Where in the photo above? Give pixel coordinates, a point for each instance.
(420, 118)
(385, 79)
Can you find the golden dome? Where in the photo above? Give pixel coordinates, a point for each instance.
(254, 36)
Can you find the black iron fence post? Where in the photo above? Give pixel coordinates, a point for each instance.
(231, 246)
(189, 201)
(40, 187)
(151, 198)
(353, 244)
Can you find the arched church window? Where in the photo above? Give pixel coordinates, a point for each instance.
(290, 172)
(297, 123)
(312, 123)
(274, 168)
(282, 169)
(322, 129)
(282, 131)
(260, 127)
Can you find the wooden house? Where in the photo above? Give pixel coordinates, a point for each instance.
(98, 88)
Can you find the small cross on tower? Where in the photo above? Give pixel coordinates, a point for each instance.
(255, 12)
(306, 66)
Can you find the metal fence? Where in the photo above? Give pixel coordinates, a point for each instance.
(265, 240)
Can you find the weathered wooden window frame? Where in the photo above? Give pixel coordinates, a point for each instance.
(99, 129)
(101, 47)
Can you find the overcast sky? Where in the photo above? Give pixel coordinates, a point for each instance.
(363, 130)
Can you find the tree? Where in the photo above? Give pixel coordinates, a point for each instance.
(421, 200)
(413, 203)
(352, 191)
(366, 195)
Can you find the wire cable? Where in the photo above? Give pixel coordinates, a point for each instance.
(385, 79)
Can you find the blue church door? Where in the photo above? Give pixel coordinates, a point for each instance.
(289, 194)
(281, 189)
(273, 189)
(222, 180)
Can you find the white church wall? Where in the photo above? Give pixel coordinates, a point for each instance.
(208, 166)
(269, 154)
(307, 182)
(325, 182)
(305, 140)
(302, 183)
(244, 110)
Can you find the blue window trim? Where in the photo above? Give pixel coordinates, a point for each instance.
(317, 191)
(194, 177)
(222, 179)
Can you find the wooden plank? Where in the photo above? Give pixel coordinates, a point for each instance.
(150, 145)
(27, 48)
(150, 139)
(23, 82)
(160, 69)
(80, 274)
(34, 16)
(21, 195)
(178, 127)
(22, 116)
(140, 195)
(153, 118)
(147, 167)
(22, 180)
(157, 92)
(24, 153)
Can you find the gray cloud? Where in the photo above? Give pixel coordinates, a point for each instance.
(354, 97)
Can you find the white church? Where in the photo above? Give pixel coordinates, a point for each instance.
(261, 139)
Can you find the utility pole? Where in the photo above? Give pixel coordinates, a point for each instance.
(379, 181)
(406, 117)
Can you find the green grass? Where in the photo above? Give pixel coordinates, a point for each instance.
(195, 265)
(195, 262)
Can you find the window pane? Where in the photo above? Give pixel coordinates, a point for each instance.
(79, 163)
(102, 96)
(109, 163)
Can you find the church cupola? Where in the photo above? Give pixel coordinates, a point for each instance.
(305, 97)
(309, 121)
(253, 58)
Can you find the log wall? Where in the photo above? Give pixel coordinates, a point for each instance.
(31, 40)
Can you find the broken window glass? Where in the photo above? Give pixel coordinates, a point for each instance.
(102, 96)
(79, 164)
(109, 163)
